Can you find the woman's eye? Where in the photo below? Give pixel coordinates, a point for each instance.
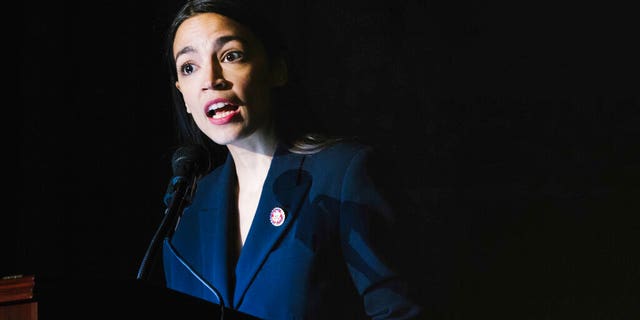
(186, 68)
(232, 56)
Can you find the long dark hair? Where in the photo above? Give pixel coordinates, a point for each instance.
(299, 131)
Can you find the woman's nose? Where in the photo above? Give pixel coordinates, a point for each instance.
(220, 84)
(215, 79)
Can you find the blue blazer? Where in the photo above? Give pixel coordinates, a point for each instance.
(320, 263)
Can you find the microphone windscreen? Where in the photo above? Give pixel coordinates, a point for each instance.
(190, 160)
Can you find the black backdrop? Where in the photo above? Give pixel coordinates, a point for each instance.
(512, 128)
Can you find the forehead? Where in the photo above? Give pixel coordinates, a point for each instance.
(204, 28)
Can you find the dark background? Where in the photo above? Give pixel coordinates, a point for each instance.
(512, 129)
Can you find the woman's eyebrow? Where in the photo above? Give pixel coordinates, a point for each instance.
(225, 39)
(221, 41)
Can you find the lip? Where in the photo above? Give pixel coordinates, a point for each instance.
(226, 119)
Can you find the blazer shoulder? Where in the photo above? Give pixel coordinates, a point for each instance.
(212, 183)
(213, 177)
(343, 150)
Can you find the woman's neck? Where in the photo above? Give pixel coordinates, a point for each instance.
(252, 166)
(252, 158)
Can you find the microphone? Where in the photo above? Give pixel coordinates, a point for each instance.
(188, 163)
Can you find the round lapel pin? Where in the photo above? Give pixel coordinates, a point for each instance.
(277, 216)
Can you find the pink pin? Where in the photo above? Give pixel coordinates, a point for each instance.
(277, 216)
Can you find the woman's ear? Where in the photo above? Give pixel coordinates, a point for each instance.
(185, 103)
(279, 73)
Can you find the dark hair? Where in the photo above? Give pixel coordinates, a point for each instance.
(261, 17)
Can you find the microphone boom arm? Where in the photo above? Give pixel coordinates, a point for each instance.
(167, 225)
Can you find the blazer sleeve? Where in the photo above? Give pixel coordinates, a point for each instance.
(366, 219)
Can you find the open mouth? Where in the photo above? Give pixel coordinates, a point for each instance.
(220, 110)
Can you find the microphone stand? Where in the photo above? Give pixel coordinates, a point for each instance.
(165, 231)
(178, 194)
(166, 227)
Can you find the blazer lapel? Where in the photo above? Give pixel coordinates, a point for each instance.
(215, 224)
(283, 189)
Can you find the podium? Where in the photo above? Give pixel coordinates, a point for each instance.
(89, 298)
(16, 298)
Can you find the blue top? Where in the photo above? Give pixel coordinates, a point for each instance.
(319, 263)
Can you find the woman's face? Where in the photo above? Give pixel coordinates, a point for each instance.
(224, 77)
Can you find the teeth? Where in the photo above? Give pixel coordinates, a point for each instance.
(216, 106)
(222, 114)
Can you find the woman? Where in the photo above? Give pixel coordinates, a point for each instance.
(285, 227)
